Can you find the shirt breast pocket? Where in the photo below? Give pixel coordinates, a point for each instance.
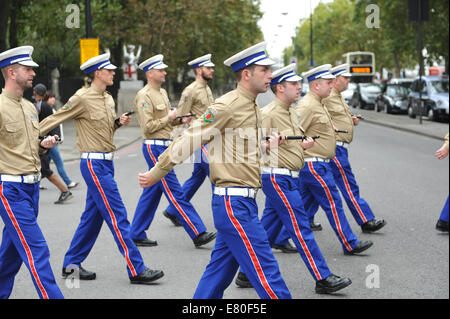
(324, 123)
(160, 110)
(12, 133)
(98, 119)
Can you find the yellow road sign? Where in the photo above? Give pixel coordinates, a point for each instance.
(89, 48)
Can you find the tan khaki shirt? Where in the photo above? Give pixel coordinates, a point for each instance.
(340, 115)
(152, 106)
(94, 113)
(19, 136)
(232, 127)
(316, 120)
(196, 98)
(282, 118)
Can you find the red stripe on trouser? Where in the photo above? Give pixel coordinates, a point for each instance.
(251, 252)
(333, 206)
(205, 151)
(24, 244)
(172, 198)
(349, 190)
(113, 219)
(296, 228)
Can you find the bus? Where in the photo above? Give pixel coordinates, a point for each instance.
(361, 65)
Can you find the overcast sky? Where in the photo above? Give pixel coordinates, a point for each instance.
(278, 29)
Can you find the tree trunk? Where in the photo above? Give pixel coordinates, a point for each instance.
(4, 18)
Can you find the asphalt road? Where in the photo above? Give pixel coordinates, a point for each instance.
(398, 175)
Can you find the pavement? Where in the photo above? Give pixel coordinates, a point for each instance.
(130, 134)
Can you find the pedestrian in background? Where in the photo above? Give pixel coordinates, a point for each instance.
(45, 110)
(54, 153)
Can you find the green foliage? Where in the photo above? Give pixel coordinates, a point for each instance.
(180, 29)
(340, 27)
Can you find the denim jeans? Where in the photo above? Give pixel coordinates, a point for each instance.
(54, 154)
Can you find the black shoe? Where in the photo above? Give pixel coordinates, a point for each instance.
(173, 219)
(83, 274)
(331, 284)
(442, 226)
(203, 239)
(65, 196)
(373, 225)
(147, 276)
(288, 248)
(315, 226)
(145, 242)
(242, 281)
(362, 245)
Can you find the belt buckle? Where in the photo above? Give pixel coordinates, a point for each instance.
(36, 178)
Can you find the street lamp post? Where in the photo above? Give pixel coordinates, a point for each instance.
(311, 62)
(88, 19)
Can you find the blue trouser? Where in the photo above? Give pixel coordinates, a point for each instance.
(103, 203)
(444, 213)
(276, 232)
(199, 174)
(282, 191)
(318, 188)
(151, 196)
(345, 180)
(54, 154)
(241, 242)
(23, 241)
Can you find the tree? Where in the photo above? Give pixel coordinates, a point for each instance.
(340, 27)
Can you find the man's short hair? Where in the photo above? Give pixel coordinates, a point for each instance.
(91, 76)
(251, 68)
(5, 70)
(274, 87)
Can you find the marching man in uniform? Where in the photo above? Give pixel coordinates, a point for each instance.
(317, 184)
(20, 165)
(95, 120)
(284, 206)
(157, 121)
(232, 126)
(340, 165)
(195, 99)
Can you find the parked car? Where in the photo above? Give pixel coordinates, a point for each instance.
(434, 97)
(394, 99)
(405, 82)
(365, 95)
(348, 94)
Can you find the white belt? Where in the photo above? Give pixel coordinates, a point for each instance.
(343, 144)
(27, 179)
(99, 156)
(316, 159)
(158, 142)
(244, 192)
(280, 171)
